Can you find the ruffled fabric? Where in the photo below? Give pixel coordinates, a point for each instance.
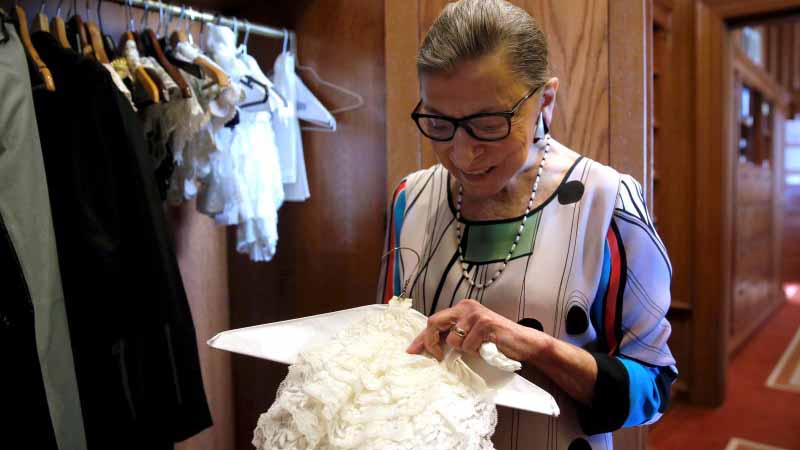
(244, 185)
(193, 145)
(117, 79)
(362, 391)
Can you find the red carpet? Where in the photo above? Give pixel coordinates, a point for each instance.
(752, 411)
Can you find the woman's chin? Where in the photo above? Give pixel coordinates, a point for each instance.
(480, 185)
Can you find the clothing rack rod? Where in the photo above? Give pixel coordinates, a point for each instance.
(199, 16)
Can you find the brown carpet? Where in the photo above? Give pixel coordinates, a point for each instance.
(752, 410)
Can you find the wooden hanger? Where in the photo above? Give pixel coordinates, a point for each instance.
(153, 48)
(140, 74)
(40, 22)
(76, 25)
(25, 37)
(60, 31)
(59, 27)
(217, 75)
(96, 40)
(109, 47)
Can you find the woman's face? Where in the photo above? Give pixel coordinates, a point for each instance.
(482, 85)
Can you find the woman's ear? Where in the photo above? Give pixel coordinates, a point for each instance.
(548, 99)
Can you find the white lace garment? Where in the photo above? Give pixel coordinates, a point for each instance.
(362, 391)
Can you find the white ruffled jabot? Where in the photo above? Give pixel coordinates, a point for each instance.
(362, 391)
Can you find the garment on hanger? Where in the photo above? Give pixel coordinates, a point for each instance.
(119, 83)
(247, 167)
(287, 131)
(192, 151)
(171, 127)
(310, 109)
(132, 332)
(135, 60)
(38, 387)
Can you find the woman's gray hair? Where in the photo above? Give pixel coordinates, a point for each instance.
(469, 29)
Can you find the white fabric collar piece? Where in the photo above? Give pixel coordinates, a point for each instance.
(284, 341)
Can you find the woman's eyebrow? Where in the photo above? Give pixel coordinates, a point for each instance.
(435, 111)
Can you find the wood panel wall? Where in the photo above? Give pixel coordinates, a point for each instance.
(731, 9)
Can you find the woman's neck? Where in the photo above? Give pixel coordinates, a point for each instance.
(511, 201)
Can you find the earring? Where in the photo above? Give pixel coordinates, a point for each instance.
(542, 129)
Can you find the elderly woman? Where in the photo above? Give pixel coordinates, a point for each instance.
(526, 243)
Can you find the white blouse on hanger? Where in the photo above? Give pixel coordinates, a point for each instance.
(247, 171)
(287, 130)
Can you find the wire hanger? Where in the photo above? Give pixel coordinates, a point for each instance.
(404, 290)
(358, 100)
(246, 36)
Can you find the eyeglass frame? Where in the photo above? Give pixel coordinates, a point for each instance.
(457, 121)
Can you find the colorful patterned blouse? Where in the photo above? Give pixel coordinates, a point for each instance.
(589, 269)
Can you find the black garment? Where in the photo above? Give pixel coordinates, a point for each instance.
(25, 416)
(132, 332)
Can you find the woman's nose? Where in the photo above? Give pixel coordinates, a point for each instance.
(465, 149)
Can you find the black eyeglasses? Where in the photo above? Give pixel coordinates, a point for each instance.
(493, 126)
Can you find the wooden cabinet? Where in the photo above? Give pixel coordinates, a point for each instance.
(755, 293)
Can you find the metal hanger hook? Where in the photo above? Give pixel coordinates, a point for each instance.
(41, 7)
(246, 33)
(160, 19)
(100, 17)
(146, 14)
(182, 16)
(419, 260)
(129, 13)
(58, 8)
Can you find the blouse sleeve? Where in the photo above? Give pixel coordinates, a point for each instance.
(635, 365)
(390, 283)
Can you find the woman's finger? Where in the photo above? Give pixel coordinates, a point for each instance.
(432, 340)
(477, 335)
(417, 345)
(458, 333)
(443, 320)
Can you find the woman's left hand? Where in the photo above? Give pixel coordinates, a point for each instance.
(480, 324)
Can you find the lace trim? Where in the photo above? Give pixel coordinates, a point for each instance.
(362, 391)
